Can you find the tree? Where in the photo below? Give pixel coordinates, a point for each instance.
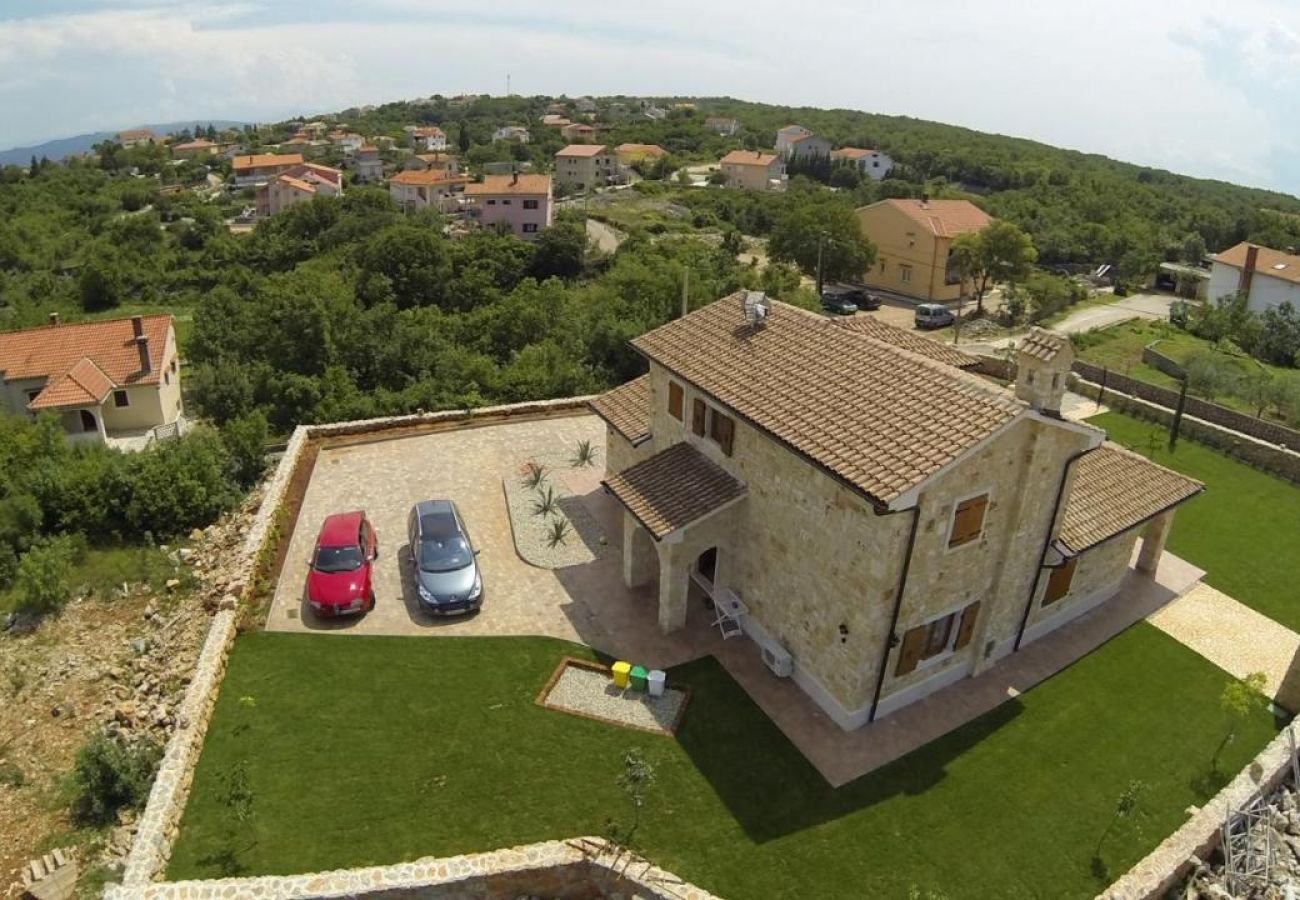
(1240, 698)
(561, 251)
(42, 578)
(462, 139)
(1208, 374)
(1193, 248)
(1125, 806)
(813, 231)
(406, 264)
(636, 780)
(997, 252)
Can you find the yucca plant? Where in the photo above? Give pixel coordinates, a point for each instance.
(557, 533)
(546, 502)
(534, 475)
(584, 455)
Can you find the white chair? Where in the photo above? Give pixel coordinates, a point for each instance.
(728, 624)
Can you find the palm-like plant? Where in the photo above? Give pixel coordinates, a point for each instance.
(546, 503)
(557, 533)
(534, 475)
(583, 455)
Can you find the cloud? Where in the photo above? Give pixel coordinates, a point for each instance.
(1111, 76)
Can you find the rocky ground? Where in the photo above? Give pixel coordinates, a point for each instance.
(1276, 838)
(117, 662)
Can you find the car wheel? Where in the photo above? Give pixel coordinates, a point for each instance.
(371, 598)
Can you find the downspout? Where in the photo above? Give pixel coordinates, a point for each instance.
(898, 602)
(1047, 543)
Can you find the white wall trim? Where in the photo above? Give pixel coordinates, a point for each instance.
(939, 680)
(1070, 611)
(807, 682)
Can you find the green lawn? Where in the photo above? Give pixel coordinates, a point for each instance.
(1244, 531)
(364, 750)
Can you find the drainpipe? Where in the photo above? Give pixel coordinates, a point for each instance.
(1047, 543)
(898, 602)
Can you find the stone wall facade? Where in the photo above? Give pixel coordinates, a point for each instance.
(577, 869)
(1271, 458)
(1164, 868)
(1213, 413)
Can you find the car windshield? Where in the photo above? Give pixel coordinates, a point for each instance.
(337, 559)
(444, 554)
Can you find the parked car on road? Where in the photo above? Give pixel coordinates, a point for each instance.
(842, 293)
(340, 582)
(447, 576)
(838, 303)
(933, 315)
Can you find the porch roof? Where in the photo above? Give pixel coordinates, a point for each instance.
(674, 488)
(1114, 490)
(627, 409)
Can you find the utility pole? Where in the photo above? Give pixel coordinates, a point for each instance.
(820, 238)
(686, 290)
(507, 84)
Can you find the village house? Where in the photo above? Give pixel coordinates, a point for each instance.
(114, 382)
(554, 120)
(136, 137)
(428, 139)
(807, 147)
(368, 164)
(261, 167)
(436, 162)
(427, 189)
(511, 133)
(754, 170)
(913, 241)
(785, 139)
(520, 202)
(877, 541)
(350, 142)
(584, 167)
(1265, 277)
(629, 154)
(871, 163)
(722, 125)
(194, 149)
(578, 132)
(297, 185)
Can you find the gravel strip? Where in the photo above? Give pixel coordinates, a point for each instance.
(590, 693)
(585, 540)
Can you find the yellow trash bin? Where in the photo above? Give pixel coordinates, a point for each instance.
(622, 672)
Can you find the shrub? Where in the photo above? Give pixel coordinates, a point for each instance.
(179, 485)
(245, 442)
(110, 775)
(1208, 374)
(42, 578)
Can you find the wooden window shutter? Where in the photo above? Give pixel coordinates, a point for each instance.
(968, 521)
(913, 645)
(967, 627)
(675, 400)
(1058, 583)
(723, 430)
(697, 417)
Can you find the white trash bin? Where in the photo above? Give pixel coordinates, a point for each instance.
(655, 682)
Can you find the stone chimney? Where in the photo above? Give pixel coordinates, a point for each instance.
(141, 343)
(137, 327)
(1248, 270)
(1043, 362)
(54, 318)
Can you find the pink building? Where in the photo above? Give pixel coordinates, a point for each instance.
(298, 184)
(521, 201)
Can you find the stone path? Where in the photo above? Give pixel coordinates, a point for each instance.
(1234, 637)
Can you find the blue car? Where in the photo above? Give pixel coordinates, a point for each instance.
(447, 576)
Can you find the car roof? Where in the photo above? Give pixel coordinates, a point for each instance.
(427, 507)
(341, 528)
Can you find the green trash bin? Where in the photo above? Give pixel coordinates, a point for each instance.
(639, 674)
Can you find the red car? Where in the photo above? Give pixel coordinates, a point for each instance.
(339, 582)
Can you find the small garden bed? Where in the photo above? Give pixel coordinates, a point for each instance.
(549, 517)
(587, 689)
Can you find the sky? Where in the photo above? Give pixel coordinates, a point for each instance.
(1196, 86)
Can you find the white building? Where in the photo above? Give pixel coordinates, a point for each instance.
(786, 137)
(871, 163)
(511, 133)
(1267, 277)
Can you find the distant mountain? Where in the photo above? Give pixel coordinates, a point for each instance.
(70, 146)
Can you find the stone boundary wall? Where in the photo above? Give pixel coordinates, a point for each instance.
(1166, 866)
(158, 824)
(1269, 432)
(1262, 455)
(1157, 360)
(576, 869)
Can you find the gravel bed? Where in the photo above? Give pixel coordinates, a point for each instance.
(593, 694)
(585, 540)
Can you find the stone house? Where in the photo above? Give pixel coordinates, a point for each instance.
(753, 170)
(913, 241)
(884, 522)
(584, 167)
(116, 381)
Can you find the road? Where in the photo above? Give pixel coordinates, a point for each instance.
(1139, 306)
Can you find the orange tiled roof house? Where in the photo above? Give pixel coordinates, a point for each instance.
(884, 522)
(913, 241)
(116, 381)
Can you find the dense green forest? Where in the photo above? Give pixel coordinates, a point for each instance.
(350, 308)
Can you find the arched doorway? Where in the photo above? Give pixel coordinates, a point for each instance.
(88, 421)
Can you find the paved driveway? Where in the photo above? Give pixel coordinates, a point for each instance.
(1139, 306)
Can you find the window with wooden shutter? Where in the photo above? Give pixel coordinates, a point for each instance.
(697, 416)
(967, 627)
(675, 400)
(968, 521)
(913, 645)
(1058, 583)
(722, 429)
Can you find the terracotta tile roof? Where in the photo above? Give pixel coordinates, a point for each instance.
(748, 158)
(262, 160)
(582, 150)
(297, 184)
(435, 158)
(674, 488)
(945, 218)
(508, 184)
(85, 384)
(135, 134)
(1115, 489)
(851, 153)
(325, 173)
(627, 409)
(640, 151)
(199, 144)
(1042, 344)
(1266, 261)
(428, 177)
(54, 351)
(880, 419)
(871, 327)
(553, 120)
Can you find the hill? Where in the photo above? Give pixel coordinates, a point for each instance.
(61, 148)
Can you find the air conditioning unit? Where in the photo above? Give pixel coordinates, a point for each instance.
(778, 659)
